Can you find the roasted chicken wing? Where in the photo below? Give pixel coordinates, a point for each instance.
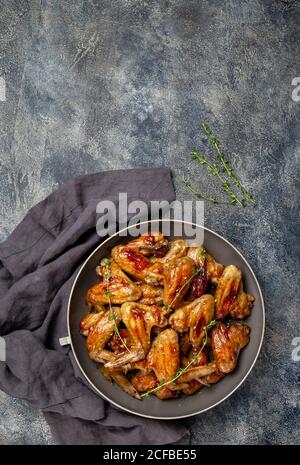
(194, 317)
(227, 290)
(197, 372)
(115, 286)
(226, 344)
(203, 259)
(90, 320)
(242, 305)
(151, 295)
(121, 380)
(177, 249)
(139, 320)
(100, 332)
(163, 358)
(132, 258)
(149, 315)
(148, 244)
(144, 382)
(178, 275)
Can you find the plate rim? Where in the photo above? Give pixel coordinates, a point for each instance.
(177, 417)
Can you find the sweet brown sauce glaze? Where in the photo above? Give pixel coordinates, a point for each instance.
(137, 313)
(228, 301)
(147, 344)
(137, 260)
(199, 326)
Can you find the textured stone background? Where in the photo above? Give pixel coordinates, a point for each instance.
(114, 84)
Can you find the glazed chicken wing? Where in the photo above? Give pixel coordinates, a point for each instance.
(115, 287)
(194, 317)
(121, 380)
(227, 290)
(90, 320)
(144, 382)
(151, 295)
(203, 259)
(147, 244)
(149, 315)
(163, 358)
(197, 372)
(242, 305)
(177, 249)
(227, 343)
(214, 269)
(178, 275)
(132, 258)
(139, 320)
(100, 332)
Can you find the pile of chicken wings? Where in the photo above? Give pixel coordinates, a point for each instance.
(149, 311)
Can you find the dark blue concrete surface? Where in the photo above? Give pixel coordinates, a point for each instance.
(95, 85)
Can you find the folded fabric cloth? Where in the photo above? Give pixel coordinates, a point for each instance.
(38, 264)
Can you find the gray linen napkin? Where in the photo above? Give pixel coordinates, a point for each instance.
(38, 263)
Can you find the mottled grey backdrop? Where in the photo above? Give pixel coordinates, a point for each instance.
(96, 85)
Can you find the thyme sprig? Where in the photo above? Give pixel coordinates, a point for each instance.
(183, 370)
(221, 169)
(225, 163)
(213, 168)
(105, 262)
(198, 194)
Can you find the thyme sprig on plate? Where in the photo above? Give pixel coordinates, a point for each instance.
(225, 163)
(105, 262)
(183, 370)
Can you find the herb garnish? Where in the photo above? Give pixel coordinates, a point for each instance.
(213, 168)
(220, 170)
(225, 163)
(183, 370)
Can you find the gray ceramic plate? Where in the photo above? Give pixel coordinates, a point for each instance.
(153, 407)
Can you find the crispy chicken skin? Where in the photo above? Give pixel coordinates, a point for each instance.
(242, 305)
(139, 320)
(121, 380)
(178, 249)
(226, 344)
(227, 290)
(90, 320)
(151, 295)
(203, 259)
(197, 372)
(133, 261)
(163, 358)
(120, 288)
(144, 382)
(193, 317)
(199, 285)
(147, 244)
(100, 333)
(132, 257)
(214, 269)
(194, 385)
(176, 273)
